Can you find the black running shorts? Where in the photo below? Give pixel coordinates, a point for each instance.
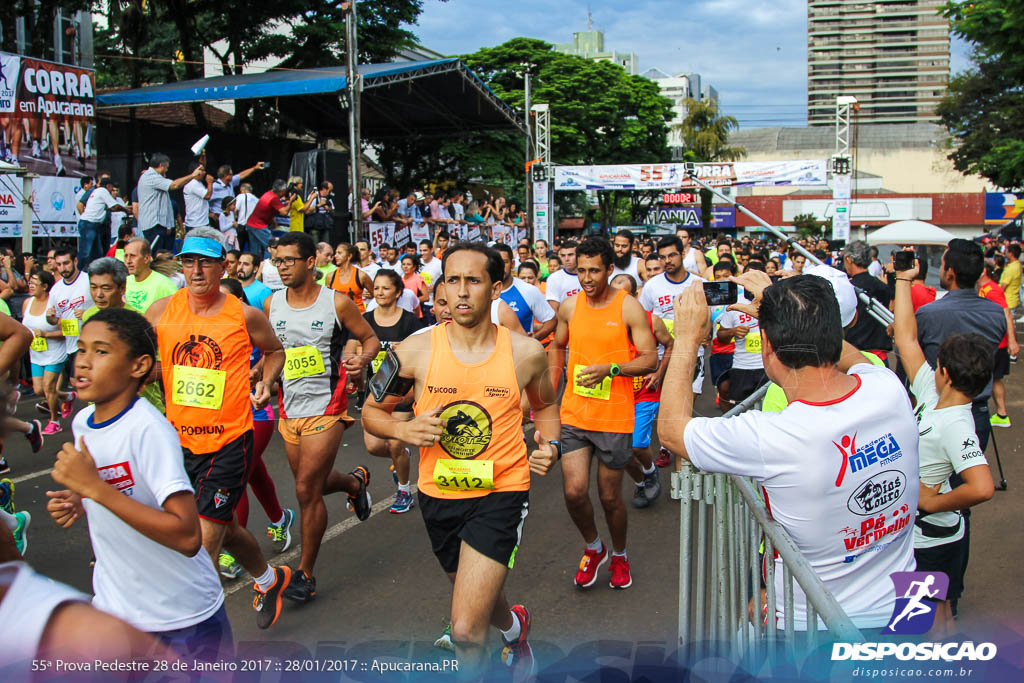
(219, 478)
(742, 383)
(492, 525)
(948, 558)
(1002, 365)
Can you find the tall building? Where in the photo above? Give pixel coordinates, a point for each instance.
(892, 55)
(679, 88)
(589, 44)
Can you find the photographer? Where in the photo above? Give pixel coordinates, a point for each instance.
(273, 203)
(321, 212)
(297, 209)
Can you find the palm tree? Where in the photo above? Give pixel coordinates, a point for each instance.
(705, 135)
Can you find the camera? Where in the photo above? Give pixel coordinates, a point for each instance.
(903, 260)
(690, 168)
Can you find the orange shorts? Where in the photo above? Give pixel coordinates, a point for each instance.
(293, 428)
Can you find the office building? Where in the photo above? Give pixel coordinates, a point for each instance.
(679, 88)
(589, 44)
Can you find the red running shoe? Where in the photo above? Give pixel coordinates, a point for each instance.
(518, 655)
(620, 573)
(664, 458)
(591, 562)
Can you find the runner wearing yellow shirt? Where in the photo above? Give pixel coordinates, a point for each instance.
(1011, 278)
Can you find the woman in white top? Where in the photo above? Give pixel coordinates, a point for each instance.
(48, 351)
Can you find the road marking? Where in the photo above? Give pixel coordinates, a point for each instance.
(246, 581)
(26, 477)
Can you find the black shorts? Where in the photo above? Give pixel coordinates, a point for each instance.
(720, 364)
(492, 525)
(947, 558)
(1002, 365)
(220, 478)
(614, 450)
(742, 383)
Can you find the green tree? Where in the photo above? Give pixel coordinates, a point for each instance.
(808, 225)
(984, 107)
(705, 135)
(39, 16)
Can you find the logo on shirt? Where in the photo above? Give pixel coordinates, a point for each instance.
(881, 451)
(118, 475)
(65, 305)
(916, 596)
(876, 528)
(467, 429)
(318, 325)
(877, 493)
(198, 352)
(441, 390)
(497, 392)
(136, 298)
(281, 323)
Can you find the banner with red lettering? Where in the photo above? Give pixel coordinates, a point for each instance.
(673, 176)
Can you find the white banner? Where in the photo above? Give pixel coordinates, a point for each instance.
(841, 188)
(419, 232)
(673, 176)
(541, 211)
(53, 206)
(381, 233)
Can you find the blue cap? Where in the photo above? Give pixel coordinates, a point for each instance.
(202, 246)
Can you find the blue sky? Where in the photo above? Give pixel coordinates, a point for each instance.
(754, 52)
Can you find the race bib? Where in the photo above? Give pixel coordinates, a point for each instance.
(197, 387)
(670, 325)
(377, 360)
(303, 361)
(464, 475)
(38, 344)
(602, 391)
(752, 342)
(69, 327)
(426, 277)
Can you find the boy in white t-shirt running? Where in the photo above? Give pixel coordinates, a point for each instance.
(948, 443)
(126, 471)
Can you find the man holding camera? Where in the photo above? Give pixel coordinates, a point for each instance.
(273, 203)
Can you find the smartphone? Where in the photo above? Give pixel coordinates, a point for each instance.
(903, 260)
(265, 164)
(720, 293)
(387, 380)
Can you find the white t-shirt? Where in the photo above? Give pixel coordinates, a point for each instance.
(528, 303)
(407, 300)
(657, 296)
(632, 269)
(245, 203)
(137, 579)
(197, 207)
(840, 477)
(370, 270)
(96, 208)
(690, 261)
(178, 279)
(66, 299)
(875, 269)
(271, 277)
(431, 274)
(948, 443)
(748, 350)
(562, 285)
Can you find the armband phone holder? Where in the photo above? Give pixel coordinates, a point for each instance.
(386, 381)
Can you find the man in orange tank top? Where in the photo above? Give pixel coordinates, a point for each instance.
(597, 326)
(474, 471)
(205, 338)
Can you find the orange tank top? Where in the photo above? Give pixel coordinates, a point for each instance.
(350, 288)
(598, 335)
(481, 449)
(205, 367)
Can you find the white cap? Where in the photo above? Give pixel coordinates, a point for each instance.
(846, 295)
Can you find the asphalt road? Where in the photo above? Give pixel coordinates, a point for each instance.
(382, 594)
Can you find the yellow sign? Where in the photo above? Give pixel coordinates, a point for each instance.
(303, 361)
(464, 475)
(752, 342)
(38, 344)
(69, 327)
(197, 387)
(602, 391)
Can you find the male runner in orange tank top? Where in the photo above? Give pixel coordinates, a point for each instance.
(474, 471)
(597, 326)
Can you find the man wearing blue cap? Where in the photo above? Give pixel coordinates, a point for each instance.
(204, 338)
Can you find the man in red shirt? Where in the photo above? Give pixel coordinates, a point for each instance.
(990, 289)
(261, 219)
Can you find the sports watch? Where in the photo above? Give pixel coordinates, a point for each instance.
(558, 445)
(615, 370)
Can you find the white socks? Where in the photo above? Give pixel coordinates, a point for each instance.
(512, 635)
(10, 520)
(266, 580)
(597, 545)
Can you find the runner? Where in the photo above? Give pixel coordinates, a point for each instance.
(366, 262)
(625, 262)
(144, 285)
(746, 374)
(69, 298)
(693, 259)
(564, 282)
(255, 291)
(646, 397)
(525, 300)
(474, 473)
(430, 271)
(268, 273)
(126, 472)
(108, 278)
(313, 324)
(722, 353)
(392, 325)
(598, 328)
(48, 351)
(205, 339)
(347, 278)
(990, 289)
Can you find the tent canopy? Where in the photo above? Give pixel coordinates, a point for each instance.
(432, 97)
(910, 232)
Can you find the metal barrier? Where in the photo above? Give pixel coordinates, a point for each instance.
(719, 570)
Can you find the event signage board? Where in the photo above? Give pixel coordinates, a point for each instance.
(690, 216)
(673, 176)
(53, 206)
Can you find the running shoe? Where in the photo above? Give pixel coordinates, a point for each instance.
(591, 562)
(518, 655)
(35, 437)
(68, 406)
(664, 458)
(20, 532)
(652, 486)
(58, 163)
(361, 503)
(620, 572)
(7, 496)
(268, 604)
(281, 535)
(302, 587)
(229, 568)
(640, 499)
(36, 153)
(999, 421)
(403, 503)
(52, 428)
(43, 408)
(445, 642)
(4, 467)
